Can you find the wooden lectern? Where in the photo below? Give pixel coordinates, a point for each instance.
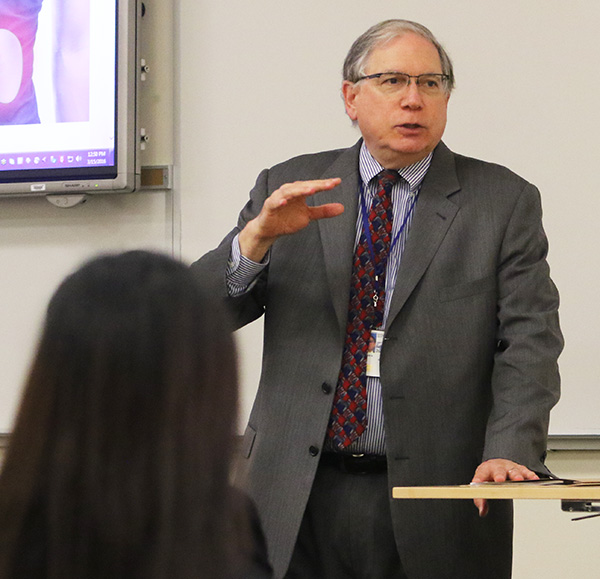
(538, 489)
(574, 495)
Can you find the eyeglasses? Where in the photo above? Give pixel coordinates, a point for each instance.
(393, 83)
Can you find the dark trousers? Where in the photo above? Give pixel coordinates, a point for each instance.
(346, 532)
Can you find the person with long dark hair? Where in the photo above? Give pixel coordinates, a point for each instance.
(119, 462)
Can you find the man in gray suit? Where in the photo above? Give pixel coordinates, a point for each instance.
(464, 370)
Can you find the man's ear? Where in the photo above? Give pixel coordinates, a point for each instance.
(350, 91)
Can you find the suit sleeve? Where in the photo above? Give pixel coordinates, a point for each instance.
(525, 379)
(211, 269)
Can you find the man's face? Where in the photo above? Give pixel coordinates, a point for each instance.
(403, 128)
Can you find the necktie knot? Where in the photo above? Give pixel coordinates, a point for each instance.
(387, 179)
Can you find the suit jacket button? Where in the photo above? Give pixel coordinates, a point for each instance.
(313, 450)
(326, 388)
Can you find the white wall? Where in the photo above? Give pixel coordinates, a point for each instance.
(39, 245)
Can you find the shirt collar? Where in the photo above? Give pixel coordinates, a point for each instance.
(413, 174)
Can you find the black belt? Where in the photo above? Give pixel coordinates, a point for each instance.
(355, 463)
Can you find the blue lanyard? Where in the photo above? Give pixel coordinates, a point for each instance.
(367, 231)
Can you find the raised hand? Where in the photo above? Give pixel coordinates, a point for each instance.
(285, 212)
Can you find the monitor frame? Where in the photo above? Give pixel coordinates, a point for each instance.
(83, 181)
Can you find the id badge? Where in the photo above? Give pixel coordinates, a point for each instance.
(374, 353)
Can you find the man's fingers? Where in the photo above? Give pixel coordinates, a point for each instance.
(482, 506)
(314, 185)
(500, 470)
(324, 211)
(520, 473)
(296, 189)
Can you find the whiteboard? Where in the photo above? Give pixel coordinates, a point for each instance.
(259, 82)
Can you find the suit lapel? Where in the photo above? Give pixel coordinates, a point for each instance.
(337, 234)
(433, 216)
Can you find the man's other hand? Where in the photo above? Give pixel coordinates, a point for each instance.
(499, 470)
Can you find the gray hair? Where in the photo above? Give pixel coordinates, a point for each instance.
(356, 59)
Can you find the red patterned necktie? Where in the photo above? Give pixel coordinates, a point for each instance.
(365, 312)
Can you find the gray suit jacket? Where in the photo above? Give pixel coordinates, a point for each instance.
(468, 367)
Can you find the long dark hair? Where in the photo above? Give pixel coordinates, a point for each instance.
(119, 460)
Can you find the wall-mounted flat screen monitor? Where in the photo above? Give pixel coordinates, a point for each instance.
(68, 85)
